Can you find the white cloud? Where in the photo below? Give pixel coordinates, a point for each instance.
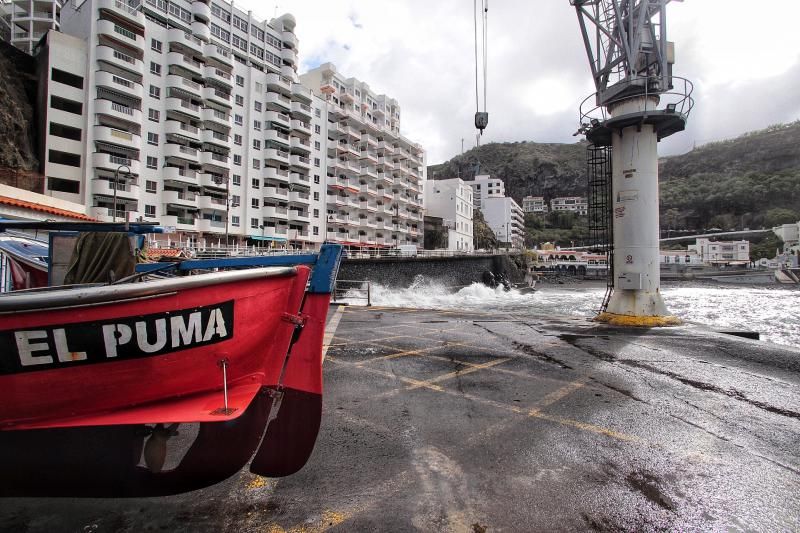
(741, 55)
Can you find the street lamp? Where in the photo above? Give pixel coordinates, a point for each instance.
(116, 180)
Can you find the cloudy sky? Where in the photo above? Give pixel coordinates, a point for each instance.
(743, 57)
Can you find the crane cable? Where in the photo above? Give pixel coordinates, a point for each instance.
(481, 117)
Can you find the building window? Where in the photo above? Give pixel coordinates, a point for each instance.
(257, 125)
(316, 161)
(152, 138)
(254, 203)
(317, 112)
(155, 92)
(152, 162)
(155, 45)
(316, 230)
(239, 80)
(237, 160)
(316, 213)
(259, 88)
(257, 106)
(316, 196)
(255, 183)
(238, 120)
(237, 139)
(237, 179)
(149, 210)
(256, 144)
(150, 186)
(239, 99)
(155, 68)
(64, 158)
(68, 132)
(61, 185)
(67, 78)
(254, 223)
(317, 128)
(153, 114)
(62, 104)
(256, 163)
(316, 179)
(316, 145)
(235, 221)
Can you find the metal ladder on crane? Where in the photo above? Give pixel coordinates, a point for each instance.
(598, 171)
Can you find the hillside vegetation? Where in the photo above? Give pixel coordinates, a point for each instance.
(751, 181)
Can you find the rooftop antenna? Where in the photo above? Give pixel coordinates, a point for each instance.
(481, 117)
(638, 102)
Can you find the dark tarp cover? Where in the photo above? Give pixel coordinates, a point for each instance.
(97, 254)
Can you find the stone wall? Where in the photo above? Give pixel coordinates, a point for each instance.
(451, 271)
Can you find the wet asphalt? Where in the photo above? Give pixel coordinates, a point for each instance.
(467, 422)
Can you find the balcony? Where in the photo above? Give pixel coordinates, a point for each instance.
(216, 116)
(119, 84)
(181, 199)
(187, 131)
(214, 159)
(275, 232)
(215, 53)
(211, 202)
(118, 111)
(123, 190)
(212, 94)
(301, 92)
(121, 9)
(114, 57)
(201, 11)
(335, 199)
(368, 207)
(370, 140)
(275, 100)
(201, 31)
(296, 178)
(180, 175)
(210, 226)
(290, 39)
(276, 193)
(301, 162)
(296, 215)
(276, 174)
(270, 211)
(217, 138)
(387, 163)
(367, 189)
(185, 41)
(278, 83)
(299, 197)
(179, 223)
(369, 156)
(178, 151)
(119, 137)
(301, 126)
(106, 214)
(278, 137)
(212, 181)
(182, 106)
(179, 82)
(179, 60)
(113, 162)
(289, 55)
(121, 34)
(281, 119)
(301, 144)
(279, 156)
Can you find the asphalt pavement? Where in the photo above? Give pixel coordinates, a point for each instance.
(469, 422)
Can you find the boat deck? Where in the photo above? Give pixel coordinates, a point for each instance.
(453, 421)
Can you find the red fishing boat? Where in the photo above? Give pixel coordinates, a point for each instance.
(163, 386)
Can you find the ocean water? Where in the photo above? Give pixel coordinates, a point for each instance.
(773, 311)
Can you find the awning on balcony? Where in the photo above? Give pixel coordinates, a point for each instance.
(265, 238)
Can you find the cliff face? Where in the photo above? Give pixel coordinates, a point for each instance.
(17, 111)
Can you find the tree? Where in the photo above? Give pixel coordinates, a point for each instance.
(779, 215)
(482, 234)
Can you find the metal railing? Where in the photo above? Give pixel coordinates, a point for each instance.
(679, 99)
(352, 290)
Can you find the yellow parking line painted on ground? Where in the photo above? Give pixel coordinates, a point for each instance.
(558, 395)
(405, 353)
(330, 330)
(458, 373)
(346, 342)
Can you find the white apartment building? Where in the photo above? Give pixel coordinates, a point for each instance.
(451, 200)
(789, 234)
(506, 219)
(375, 176)
(534, 204)
(721, 251)
(575, 204)
(195, 107)
(484, 186)
(24, 22)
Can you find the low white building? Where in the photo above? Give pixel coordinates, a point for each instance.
(576, 204)
(534, 204)
(679, 257)
(789, 234)
(506, 219)
(483, 187)
(451, 200)
(721, 251)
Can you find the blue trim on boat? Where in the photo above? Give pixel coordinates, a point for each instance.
(323, 277)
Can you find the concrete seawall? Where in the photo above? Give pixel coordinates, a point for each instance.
(452, 271)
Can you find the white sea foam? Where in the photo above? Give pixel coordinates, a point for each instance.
(773, 311)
